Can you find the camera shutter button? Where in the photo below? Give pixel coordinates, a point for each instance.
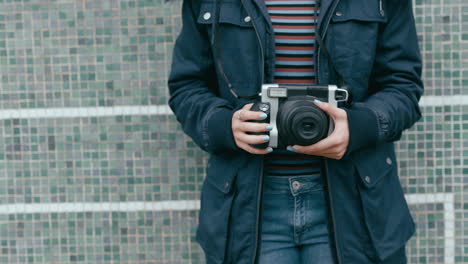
(264, 107)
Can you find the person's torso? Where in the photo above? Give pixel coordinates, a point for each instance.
(294, 25)
(230, 194)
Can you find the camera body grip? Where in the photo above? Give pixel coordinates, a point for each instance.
(265, 108)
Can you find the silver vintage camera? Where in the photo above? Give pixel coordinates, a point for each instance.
(296, 120)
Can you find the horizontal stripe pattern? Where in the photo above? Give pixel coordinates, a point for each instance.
(294, 24)
(286, 163)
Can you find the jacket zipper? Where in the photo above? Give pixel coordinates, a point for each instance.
(381, 9)
(257, 224)
(330, 197)
(324, 160)
(323, 38)
(259, 192)
(260, 181)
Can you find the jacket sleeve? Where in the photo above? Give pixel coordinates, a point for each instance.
(395, 85)
(204, 116)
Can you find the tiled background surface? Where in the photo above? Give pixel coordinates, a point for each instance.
(80, 186)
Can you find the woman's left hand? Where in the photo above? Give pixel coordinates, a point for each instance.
(334, 146)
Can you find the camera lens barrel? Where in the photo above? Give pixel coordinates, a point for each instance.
(301, 122)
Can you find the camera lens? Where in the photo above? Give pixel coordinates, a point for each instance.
(301, 122)
(308, 127)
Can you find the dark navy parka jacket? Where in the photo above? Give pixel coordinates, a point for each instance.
(373, 45)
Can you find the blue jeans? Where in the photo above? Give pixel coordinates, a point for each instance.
(294, 222)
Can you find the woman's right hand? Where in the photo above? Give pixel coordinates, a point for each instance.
(241, 126)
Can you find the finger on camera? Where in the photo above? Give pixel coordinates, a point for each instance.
(336, 152)
(253, 150)
(336, 138)
(254, 127)
(336, 156)
(320, 146)
(247, 106)
(252, 139)
(248, 115)
(331, 110)
(239, 113)
(328, 153)
(331, 156)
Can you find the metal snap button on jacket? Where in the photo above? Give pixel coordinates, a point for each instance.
(296, 185)
(247, 19)
(368, 180)
(207, 16)
(389, 161)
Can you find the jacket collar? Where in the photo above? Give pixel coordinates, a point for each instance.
(325, 6)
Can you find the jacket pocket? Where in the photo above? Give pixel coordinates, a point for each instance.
(230, 13)
(360, 10)
(352, 40)
(386, 213)
(237, 43)
(216, 202)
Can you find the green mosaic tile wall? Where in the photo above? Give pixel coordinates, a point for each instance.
(111, 159)
(119, 237)
(82, 55)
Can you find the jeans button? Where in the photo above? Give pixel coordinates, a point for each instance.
(296, 185)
